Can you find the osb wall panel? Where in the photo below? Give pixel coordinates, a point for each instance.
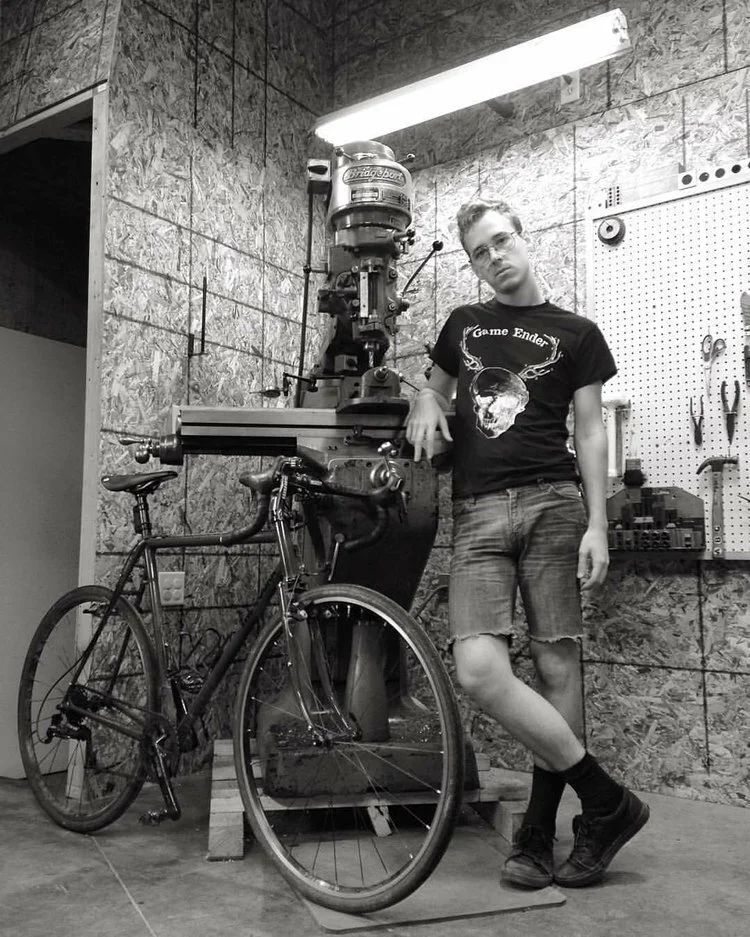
(50, 50)
(16, 17)
(716, 118)
(737, 35)
(229, 273)
(674, 44)
(646, 725)
(217, 499)
(144, 370)
(728, 718)
(299, 57)
(667, 645)
(625, 144)
(210, 120)
(438, 35)
(648, 613)
(726, 616)
(361, 26)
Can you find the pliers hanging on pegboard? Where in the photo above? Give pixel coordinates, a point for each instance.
(697, 422)
(730, 413)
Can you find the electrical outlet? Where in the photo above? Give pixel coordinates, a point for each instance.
(570, 87)
(172, 589)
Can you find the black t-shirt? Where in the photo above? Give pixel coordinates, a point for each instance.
(517, 368)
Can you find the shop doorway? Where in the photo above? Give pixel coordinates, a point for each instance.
(45, 228)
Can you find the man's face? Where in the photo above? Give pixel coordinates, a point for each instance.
(503, 266)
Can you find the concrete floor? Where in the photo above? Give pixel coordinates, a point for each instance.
(685, 875)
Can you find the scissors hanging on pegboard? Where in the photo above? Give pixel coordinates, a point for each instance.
(710, 350)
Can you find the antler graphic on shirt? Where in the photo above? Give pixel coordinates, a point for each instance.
(472, 362)
(530, 373)
(533, 371)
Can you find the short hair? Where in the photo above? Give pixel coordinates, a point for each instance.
(470, 213)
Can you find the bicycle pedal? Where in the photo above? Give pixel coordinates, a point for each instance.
(153, 817)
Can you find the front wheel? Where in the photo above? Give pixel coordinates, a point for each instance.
(357, 807)
(82, 742)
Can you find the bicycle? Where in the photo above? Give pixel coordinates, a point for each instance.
(347, 740)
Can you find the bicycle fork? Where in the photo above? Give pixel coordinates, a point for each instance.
(303, 638)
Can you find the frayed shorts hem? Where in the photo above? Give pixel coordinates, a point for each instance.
(554, 638)
(541, 638)
(480, 634)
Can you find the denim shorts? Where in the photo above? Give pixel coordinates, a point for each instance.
(523, 538)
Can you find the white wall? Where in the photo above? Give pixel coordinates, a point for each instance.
(42, 386)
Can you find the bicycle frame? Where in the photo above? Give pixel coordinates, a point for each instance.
(290, 578)
(147, 549)
(284, 579)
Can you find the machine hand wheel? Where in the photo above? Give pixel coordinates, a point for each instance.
(356, 806)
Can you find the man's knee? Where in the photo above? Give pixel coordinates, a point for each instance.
(482, 664)
(557, 663)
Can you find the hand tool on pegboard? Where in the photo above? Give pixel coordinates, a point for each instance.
(710, 351)
(697, 422)
(730, 413)
(617, 409)
(745, 309)
(717, 463)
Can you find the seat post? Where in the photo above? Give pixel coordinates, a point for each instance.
(141, 516)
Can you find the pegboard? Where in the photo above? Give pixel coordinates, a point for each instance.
(677, 275)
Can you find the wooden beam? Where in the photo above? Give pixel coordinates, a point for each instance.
(92, 407)
(51, 119)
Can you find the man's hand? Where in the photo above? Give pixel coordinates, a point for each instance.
(593, 557)
(425, 418)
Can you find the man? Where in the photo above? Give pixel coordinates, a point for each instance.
(515, 364)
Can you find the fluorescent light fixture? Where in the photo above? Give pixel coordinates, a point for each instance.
(558, 53)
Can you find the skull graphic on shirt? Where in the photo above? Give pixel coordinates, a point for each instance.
(498, 395)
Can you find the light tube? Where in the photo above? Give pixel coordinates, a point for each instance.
(529, 63)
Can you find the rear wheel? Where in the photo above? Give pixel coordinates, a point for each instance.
(82, 744)
(354, 821)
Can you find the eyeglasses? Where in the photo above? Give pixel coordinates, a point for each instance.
(503, 241)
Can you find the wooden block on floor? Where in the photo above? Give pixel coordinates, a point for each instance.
(483, 761)
(227, 804)
(226, 827)
(504, 816)
(497, 784)
(221, 772)
(225, 837)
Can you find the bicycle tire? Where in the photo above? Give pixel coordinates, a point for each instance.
(84, 774)
(408, 767)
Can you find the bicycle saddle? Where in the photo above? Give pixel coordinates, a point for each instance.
(143, 483)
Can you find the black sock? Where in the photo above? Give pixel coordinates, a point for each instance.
(599, 793)
(546, 791)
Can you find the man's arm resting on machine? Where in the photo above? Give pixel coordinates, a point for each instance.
(428, 413)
